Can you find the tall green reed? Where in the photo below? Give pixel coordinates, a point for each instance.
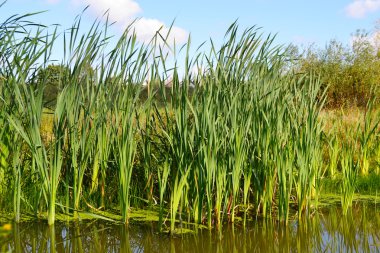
(29, 102)
(349, 175)
(366, 134)
(240, 133)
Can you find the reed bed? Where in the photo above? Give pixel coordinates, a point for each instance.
(241, 138)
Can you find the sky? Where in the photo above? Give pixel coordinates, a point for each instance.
(299, 22)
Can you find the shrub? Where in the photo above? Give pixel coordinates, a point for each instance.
(352, 72)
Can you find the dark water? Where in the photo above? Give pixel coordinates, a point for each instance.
(327, 231)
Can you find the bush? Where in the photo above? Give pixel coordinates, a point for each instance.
(351, 72)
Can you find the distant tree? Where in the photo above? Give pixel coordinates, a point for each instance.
(53, 78)
(352, 72)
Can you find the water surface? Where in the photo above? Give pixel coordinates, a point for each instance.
(326, 231)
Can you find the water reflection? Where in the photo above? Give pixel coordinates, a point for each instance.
(327, 231)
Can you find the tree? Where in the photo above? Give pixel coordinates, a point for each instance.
(53, 78)
(350, 71)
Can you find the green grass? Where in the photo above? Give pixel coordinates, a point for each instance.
(365, 185)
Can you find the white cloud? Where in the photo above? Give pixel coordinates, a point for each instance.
(360, 8)
(124, 12)
(145, 28)
(119, 10)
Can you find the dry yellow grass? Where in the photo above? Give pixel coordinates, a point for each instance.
(47, 123)
(344, 118)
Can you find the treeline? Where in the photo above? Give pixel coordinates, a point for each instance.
(55, 78)
(351, 72)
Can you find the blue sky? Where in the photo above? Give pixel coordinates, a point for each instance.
(295, 21)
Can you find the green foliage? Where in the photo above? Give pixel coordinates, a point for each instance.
(369, 184)
(54, 77)
(349, 176)
(351, 72)
(4, 154)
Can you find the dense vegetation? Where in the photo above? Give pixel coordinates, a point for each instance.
(351, 72)
(240, 136)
